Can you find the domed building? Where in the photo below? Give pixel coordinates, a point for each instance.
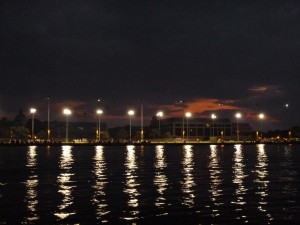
(20, 119)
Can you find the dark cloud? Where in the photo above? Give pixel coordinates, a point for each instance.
(161, 51)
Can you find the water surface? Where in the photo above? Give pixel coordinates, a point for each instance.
(207, 184)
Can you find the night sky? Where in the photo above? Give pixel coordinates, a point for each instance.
(216, 56)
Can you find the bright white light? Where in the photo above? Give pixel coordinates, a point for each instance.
(160, 114)
(188, 114)
(238, 115)
(213, 116)
(286, 105)
(130, 112)
(32, 110)
(99, 111)
(67, 112)
(261, 116)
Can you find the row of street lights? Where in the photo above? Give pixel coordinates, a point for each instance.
(159, 115)
(238, 116)
(66, 112)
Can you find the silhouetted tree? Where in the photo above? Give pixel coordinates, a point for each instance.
(122, 134)
(38, 125)
(167, 135)
(21, 132)
(154, 133)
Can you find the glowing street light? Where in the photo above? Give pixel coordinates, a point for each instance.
(130, 113)
(213, 116)
(261, 116)
(181, 102)
(48, 131)
(238, 116)
(142, 120)
(32, 111)
(187, 115)
(67, 112)
(221, 116)
(288, 119)
(159, 115)
(99, 112)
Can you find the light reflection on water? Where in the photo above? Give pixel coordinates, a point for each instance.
(247, 184)
(262, 180)
(131, 184)
(160, 178)
(289, 178)
(99, 196)
(238, 180)
(31, 186)
(65, 183)
(188, 182)
(215, 180)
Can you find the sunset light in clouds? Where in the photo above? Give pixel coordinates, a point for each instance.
(200, 106)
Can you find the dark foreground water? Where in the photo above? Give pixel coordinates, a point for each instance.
(150, 185)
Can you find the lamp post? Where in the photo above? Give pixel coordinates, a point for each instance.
(181, 102)
(213, 117)
(288, 119)
(48, 131)
(67, 112)
(159, 115)
(187, 115)
(222, 123)
(142, 120)
(238, 116)
(261, 116)
(99, 112)
(32, 111)
(130, 113)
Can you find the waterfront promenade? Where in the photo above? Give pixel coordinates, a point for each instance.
(146, 143)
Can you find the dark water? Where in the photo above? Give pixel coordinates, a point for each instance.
(147, 185)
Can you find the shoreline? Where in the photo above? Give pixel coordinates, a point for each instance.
(145, 144)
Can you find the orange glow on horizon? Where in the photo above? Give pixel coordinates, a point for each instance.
(199, 106)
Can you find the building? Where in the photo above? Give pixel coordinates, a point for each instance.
(20, 129)
(77, 130)
(202, 128)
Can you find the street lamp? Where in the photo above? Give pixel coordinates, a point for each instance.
(159, 115)
(181, 102)
(288, 119)
(142, 120)
(222, 123)
(32, 111)
(67, 112)
(213, 116)
(238, 116)
(48, 131)
(99, 112)
(130, 113)
(261, 116)
(187, 115)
